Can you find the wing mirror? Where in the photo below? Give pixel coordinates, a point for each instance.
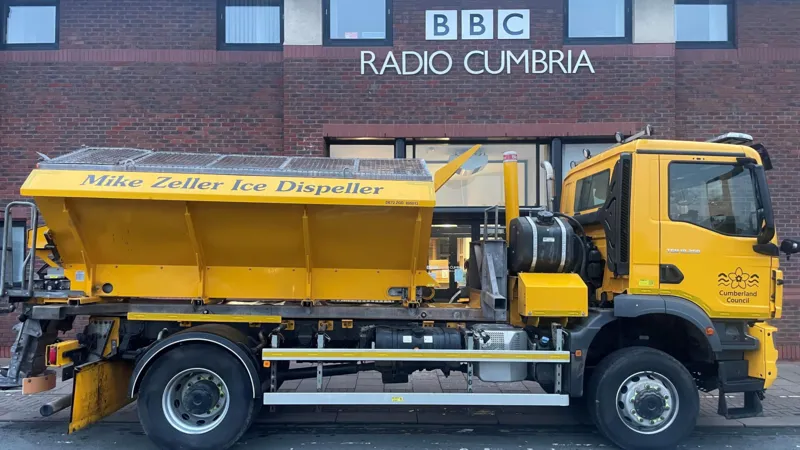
(790, 247)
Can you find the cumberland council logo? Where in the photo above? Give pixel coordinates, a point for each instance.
(738, 279)
(742, 286)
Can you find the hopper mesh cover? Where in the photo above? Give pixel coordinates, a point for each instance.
(139, 160)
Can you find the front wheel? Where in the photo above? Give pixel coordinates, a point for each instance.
(643, 399)
(196, 397)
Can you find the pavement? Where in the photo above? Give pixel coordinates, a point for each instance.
(781, 405)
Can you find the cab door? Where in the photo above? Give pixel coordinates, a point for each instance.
(709, 224)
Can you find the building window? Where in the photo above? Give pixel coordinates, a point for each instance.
(29, 24)
(479, 182)
(705, 23)
(357, 22)
(250, 25)
(597, 21)
(718, 197)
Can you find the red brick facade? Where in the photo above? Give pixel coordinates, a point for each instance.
(147, 74)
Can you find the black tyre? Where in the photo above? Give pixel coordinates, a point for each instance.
(643, 399)
(197, 396)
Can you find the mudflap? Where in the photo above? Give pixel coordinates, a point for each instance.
(99, 390)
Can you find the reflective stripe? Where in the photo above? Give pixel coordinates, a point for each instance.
(535, 243)
(563, 245)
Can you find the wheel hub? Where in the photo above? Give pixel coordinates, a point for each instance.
(195, 401)
(647, 402)
(200, 397)
(649, 405)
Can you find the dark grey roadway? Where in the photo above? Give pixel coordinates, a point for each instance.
(105, 436)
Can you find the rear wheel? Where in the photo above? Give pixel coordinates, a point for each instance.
(644, 399)
(196, 397)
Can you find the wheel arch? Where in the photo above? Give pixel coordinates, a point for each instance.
(223, 336)
(588, 336)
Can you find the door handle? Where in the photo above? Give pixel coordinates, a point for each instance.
(670, 274)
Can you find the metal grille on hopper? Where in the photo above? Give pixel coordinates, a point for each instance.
(137, 160)
(100, 156)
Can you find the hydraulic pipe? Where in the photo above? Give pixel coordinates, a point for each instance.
(511, 187)
(50, 408)
(327, 371)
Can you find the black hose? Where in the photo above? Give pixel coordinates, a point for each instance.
(584, 258)
(573, 220)
(582, 232)
(327, 371)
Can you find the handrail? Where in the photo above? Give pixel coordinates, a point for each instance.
(29, 259)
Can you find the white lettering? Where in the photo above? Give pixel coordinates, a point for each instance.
(420, 64)
(569, 61)
(511, 58)
(390, 62)
(371, 61)
(449, 62)
(441, 25)
(531, 61)
(477, 24)
(502, 63)
(539, 57)
(583, 61)
(513, 24)
(466, 62)
(554, 61)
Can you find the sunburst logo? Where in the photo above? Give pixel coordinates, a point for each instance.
(738, 279)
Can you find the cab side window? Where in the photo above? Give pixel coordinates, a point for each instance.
(591, 192)
(718, 197)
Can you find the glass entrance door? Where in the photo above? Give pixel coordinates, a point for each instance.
(447, 260)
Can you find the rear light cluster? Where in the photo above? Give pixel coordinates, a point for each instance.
(52, 355)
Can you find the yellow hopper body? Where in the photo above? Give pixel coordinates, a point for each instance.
(133, 223)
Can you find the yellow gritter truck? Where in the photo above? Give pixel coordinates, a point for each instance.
(205, 276)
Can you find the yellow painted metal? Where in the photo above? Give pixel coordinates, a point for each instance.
(216, 318)
(60, 349)
(445, 173)
(763, 362)
(510, 189)
(696, 252)
(99, 389)
(776, 293)
(156, 242)
(44, 255)
(372, 354)
(514, 317)
(41, 240)
(552, 295)
(655, 239)
(191, 188)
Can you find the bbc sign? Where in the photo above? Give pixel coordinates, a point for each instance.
(477, 24)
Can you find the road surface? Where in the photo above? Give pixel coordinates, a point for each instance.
(35, 435)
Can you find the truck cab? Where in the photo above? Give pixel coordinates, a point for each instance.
(690, 220)
(688, 244)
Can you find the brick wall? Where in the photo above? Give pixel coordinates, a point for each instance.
(147, 74)
(115, 24)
